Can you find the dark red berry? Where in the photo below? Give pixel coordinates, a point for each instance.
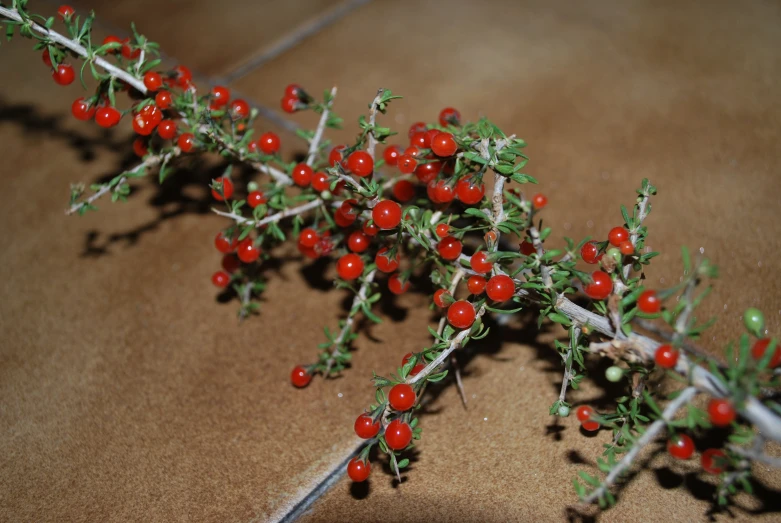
(398, 435)
(721, 412)
(369, 229)
(226, 190)
(449, 116)
(269, 143)
(300, 377)
(140, 147)
(335, 155)
(302, 174)
(666, 356)
(443, 144)
(247, 251)
(476, 284)
(357, 242)
(713, 461)
(366, 427)
(289, 104)
(600, 287)
(442, 298)
(760, 348)
(401, 397)
(617, 235)
(384, 263)
(107, 117)
(392, 155)
(239, 109)
(449, 248)
(128, 52)
(308, 237)
(224, 244)
(680, 446)
(163, 100)
(590, 253)
(527, 248)
(417, 127)
(627, 248)
(480, 264)
(166, 129)
(220, 95)
(500, 288)
(386, 214)
(403, 190)
(349, 266)
(256, 198)
(111, 39)
(186, 142)
(442, 230)
(396, 286)
(64, 74)
(407, 164)
(584, 413)
(153, 81)
(469, 193)
(221, 279)
(65, 12)
(649, 302)
(425, 172)
(358, 470)
(82, 110)
(461, 314)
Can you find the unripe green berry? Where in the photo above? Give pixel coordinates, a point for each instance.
(754, 321)
(252, 186)
(614, 373)
(563, 411)
(614, 253)
(325, 195)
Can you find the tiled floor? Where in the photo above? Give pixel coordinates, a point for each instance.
(130, 394)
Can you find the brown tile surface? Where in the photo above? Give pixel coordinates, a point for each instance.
(207, 36)
(129, 393)
(605, 95)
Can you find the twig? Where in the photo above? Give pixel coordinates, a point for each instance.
(642, 214)
(650, 434)
(348, 323)
(245, 296)
(291, 211)
(756, 455)
(568, 358)
(13, 14)
(280, 177)
(314, 145)
(372, 141)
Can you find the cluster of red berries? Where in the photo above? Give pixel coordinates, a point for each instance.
(681, 446)
(294, 99)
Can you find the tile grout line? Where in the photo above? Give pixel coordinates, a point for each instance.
(302, 32)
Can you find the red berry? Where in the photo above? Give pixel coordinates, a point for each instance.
(309, 252)
(239, 109)
(369, 229)
(403, 190)
(320, 181)
(227, 189)
(527, 248)
(407, 164)
(128, 52)
(469, 193)
(335, 155)
(401, 397)
(349, 208)
(392, 155)
(224, 244)
(590, 426)
(308, 237)
(443, 192)
(421, 140)
(293, 90)
(417, 127)
(385, 264)
(360, 163)
(666, 356)
(426, 172)
(47, 58)
(302, 175)
(65, 12)
(139, 147)
(300, 377)
(163, 100)
(584, 413)
(256, 198)
(349, 266)
(153, 81)
(247, 252)
(166, 129)
(449, 116)
(490, 238)
(398, 435)
(396, 286)
(461, 314)
(500, 288)
(152, 115)
(649, 303)
(713, 461)
(600, 287)
(366, 427)
(220, 95)
(617, 235)
(760, 348)
(626, 248)
(590, 252)
(221, 279)
(680, 446)
(386, 214)
(289, 104)
(539, 201)
(182, 76)
(64, 74)
(186, 142)
(358, 470)
(449, 248)
(111, 39)
(107, 117)
(416, 369)
(344, 220)
(480, 264)
(442, 230)
(357, 241)
(82, 110)
(269, 143)
(442, 298)
(721, 412)
(444, 144)
(230, 263)
(476, 284)
(142, 125)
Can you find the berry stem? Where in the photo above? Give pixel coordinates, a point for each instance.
(314, 145)
(13, 14)
(291, 211)
(648, 436)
